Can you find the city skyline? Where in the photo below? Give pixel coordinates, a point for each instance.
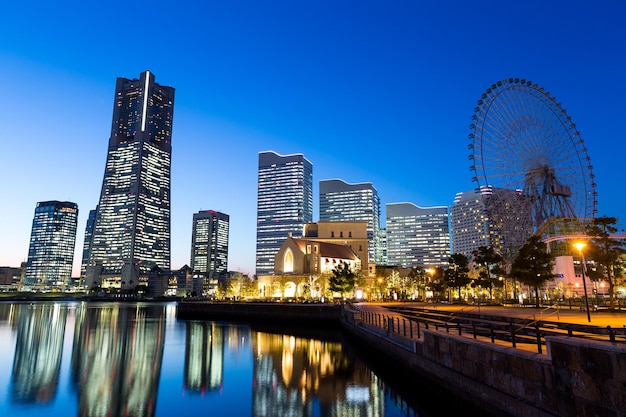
(367, 92)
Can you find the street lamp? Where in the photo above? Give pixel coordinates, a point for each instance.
(580, 246)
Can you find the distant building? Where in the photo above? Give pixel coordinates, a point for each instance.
(209, 244)
(417, 236)
(10, 277)
(340, 201)
(132, 226)
(51, 248)
(469, 223)
(381, 247)
(284, 204)
(491, 217)
(91, 221)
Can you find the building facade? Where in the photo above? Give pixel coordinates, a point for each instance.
(352, 234)
(469, 223)
(209, 244)
(132, 226)
(284, 204)
(417, 236)
(51, 248)
(91, 221)
(340, 201)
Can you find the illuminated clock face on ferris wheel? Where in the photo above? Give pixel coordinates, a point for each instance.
(528, 160)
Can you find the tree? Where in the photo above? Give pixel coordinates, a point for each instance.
(418, 279)
(533, 265)
(342, 280)
(457, 274)
(488, 262)
(607, 252)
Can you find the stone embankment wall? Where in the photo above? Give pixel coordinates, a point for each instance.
(577, 377)
(277, 313)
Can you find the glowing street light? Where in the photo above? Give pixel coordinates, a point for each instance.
(580, 246)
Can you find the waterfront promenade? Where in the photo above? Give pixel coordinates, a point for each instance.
(542, 362)
(524, 328)
(563, 314)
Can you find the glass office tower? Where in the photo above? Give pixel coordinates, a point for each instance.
(340, 201)
(417, 236)
(132, 228)
(284, 204)
(209, 244)
(51, 248)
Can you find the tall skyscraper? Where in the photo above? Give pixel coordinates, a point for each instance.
(51, 249)
(417, 236)
(340, 201)
(284, 204)
(132, 228)
(209, 244)
(469, 223)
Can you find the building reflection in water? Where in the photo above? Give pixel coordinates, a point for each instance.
(38, 352)
(116, 359)
(204, 358)
(293, 375)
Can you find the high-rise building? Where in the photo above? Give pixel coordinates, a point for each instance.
(340, 201)
(209, 244)
(381, 247)
(469, 223)
(417, 236)
(51, 249)
(284, 204)
(132, 226)
(91, 221)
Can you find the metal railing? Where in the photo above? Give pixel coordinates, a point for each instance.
(509, 331)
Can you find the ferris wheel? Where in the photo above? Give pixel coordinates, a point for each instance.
(529, 161)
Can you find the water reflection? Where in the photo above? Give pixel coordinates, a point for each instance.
(293, 375)
(204, 358)
(38, 352)
(116, 360)
(138, 360)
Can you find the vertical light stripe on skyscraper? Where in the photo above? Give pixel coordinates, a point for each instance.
(145, 102)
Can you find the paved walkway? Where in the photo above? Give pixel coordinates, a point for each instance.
(601, 319)
(564, 314)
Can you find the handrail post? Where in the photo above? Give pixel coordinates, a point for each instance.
(538, 337)
(474, 328)
(492, 335)
(611, 334)
(513, 334)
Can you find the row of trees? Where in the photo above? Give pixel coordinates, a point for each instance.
(533, 266)
(487, 272)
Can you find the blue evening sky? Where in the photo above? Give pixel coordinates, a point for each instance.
(368, 91)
